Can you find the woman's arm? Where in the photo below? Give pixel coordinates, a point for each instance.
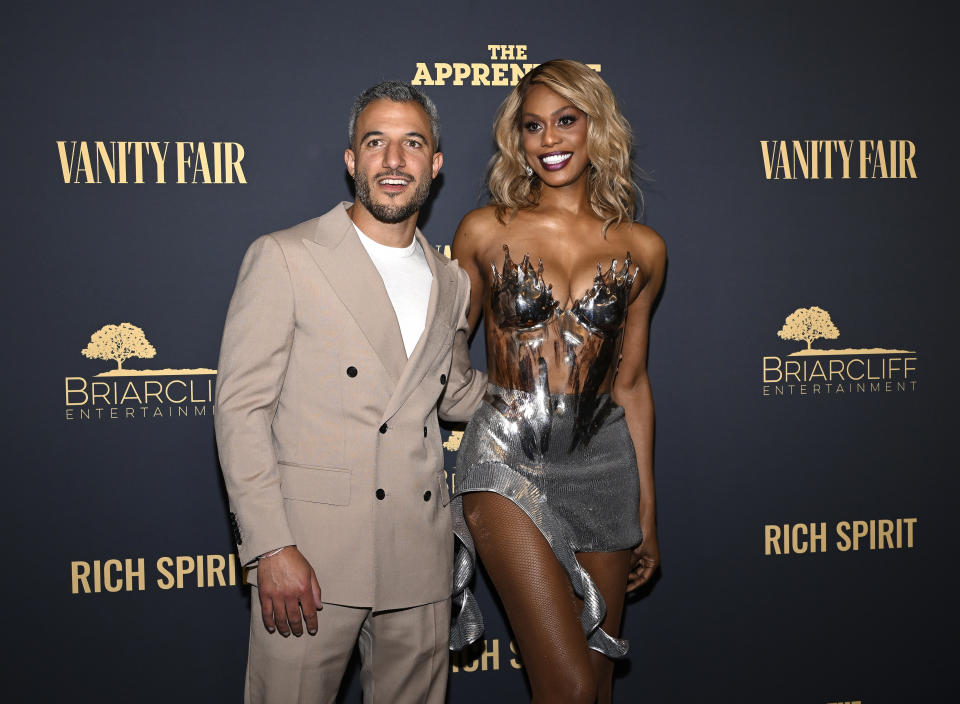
(631, 389)
(467, 243)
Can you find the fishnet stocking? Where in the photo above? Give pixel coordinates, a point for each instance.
(543, 611)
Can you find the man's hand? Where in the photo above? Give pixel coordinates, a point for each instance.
(287, 584)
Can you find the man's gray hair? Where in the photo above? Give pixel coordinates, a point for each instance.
(398, 93)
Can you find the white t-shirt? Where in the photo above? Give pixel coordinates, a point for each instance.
(407, 278)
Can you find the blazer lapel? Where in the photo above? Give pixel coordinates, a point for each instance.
(344, 262)
(436, 334)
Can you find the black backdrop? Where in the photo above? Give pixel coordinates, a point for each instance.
(742, 454)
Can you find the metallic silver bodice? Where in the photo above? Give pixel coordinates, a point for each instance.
(529, 338)
(521, 299)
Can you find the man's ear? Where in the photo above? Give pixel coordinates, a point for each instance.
(437, 163)
(350, 159)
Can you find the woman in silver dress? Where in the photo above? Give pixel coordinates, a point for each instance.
(555, 471)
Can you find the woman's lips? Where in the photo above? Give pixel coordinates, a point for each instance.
(554, 161)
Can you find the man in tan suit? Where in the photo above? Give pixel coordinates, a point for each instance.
(345, 336)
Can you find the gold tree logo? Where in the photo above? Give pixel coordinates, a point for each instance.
(119, 343)
(814, 323)
(833, 371)
(807, 325)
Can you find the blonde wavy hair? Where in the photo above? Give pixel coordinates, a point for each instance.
(611, 190)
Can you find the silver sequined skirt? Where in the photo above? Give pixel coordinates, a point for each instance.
(581, 490)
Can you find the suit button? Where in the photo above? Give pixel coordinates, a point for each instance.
(351, 372)
(381, 494)
(383, 429)
(424, 431)
(426, 496)
(443, 379)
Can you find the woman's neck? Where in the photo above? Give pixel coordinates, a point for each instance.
(571, 198)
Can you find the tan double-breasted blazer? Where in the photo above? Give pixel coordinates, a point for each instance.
(327, 433)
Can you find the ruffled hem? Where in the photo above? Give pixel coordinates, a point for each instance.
(467, 623)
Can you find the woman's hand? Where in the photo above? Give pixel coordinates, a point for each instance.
(644, 561)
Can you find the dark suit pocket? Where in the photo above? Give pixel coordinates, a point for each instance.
(319, 485)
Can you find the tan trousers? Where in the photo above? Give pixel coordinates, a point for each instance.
(403, 654)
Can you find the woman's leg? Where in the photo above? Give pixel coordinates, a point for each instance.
(537, 595)
(609, 571)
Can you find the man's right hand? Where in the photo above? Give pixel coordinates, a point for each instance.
(287, 584)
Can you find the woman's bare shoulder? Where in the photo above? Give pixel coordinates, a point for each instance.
(480, 222)
(644, 243)
(477, 229)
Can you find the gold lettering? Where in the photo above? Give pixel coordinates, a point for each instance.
(460, 71)
(490, 659)
(139, 574)
(422, 76)
(772, 541)
(159, 157)
(82, 390)
(79, 577)
(846, 149)
(843, 539)
(480, 73)
(215, 567)
(768, 369)
(801, 154)
(185, 566)
(148, 394)
(910, 523)
(85, 166)
(829, 146)
(137, 160)
(167, 390)
(818, 538)
(767, 161)
(884, 533)
(130, 391)
(66, 166)
(233, 164)
(201, 165)
(860, 529)
(881, 161)
(794, 365)
(105, 396)
(865, 157)
(217, 164)
(107, 159)
(166, 580)
(108, 580)
(515, 662)
(783, 161)
(906, 160)
(444, 71)
(121, 162)
(183, 161)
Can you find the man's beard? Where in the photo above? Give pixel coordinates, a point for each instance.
(385, 212)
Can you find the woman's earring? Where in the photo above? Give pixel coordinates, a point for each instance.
(526, 167)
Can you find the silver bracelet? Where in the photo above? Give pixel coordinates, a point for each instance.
(273, 552)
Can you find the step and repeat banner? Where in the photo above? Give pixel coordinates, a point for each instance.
(799, 161)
